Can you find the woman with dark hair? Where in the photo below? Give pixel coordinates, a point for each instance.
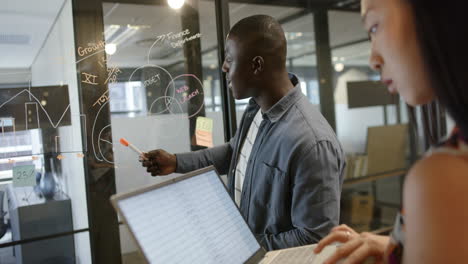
(420, 48)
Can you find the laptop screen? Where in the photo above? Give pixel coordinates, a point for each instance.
(190, 221)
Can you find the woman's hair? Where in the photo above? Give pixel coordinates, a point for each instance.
(442, 30)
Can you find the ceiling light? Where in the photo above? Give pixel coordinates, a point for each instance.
(339, 67)
(335, 59)
(111, 48)
(138, 26)
(175, 4)
(342, 59)
(110, 31)
(124, 35)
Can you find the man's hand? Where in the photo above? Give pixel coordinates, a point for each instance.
(159, 162)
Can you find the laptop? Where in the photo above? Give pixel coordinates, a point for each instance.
(193, 219)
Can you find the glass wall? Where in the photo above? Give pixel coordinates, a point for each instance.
(372, 126)
(43, 209)
(163, 76)
(301, 59)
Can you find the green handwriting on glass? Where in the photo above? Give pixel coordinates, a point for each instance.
(24, 176)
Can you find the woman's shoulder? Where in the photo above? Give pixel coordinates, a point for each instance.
(440, 168)
(434, 206)
(437, 182)
(441, 163)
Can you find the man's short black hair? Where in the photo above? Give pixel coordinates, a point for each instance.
(262, 33)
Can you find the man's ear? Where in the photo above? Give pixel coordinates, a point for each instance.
(258, 64)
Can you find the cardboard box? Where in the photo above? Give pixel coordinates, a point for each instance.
(358, 211)
(386, 148)
(362, 208)
(361, 227)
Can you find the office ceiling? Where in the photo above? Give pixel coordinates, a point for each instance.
(154, 21)
(343, 5)
(24, 25)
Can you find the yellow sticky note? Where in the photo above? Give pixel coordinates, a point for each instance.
(205, 124)
(204, 132)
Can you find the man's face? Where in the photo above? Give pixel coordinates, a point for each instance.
(238, 68)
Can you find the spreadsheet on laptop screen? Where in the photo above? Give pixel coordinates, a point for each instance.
(190, 221)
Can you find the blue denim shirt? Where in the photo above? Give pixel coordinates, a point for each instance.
(292, 187)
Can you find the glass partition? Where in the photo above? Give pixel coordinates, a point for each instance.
(163, 76)
(372, 126)
(42, 182)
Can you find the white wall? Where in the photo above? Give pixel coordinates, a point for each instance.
(45, 71)
(218, 127)
(352, 124)
(11, 76)
(168, 132)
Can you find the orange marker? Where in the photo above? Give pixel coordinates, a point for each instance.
(124, 142)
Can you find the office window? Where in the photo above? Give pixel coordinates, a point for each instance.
(42, 180)
(163, 75)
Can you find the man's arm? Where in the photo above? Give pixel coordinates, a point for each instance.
(316, 189)
(159, 162)
(219, 157)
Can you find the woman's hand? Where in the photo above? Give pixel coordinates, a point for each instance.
(356, 248)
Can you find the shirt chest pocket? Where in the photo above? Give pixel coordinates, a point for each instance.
(270, 187)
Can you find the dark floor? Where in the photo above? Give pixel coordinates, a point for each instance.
(6, 254)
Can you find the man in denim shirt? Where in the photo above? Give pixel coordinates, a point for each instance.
(284, 165)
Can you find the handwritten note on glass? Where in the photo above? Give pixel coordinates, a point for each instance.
(204, 132)
(24, 176)
(177, 40)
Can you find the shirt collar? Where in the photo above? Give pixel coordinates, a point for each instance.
(280, 108)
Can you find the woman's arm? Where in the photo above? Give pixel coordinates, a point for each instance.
(436, 211)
